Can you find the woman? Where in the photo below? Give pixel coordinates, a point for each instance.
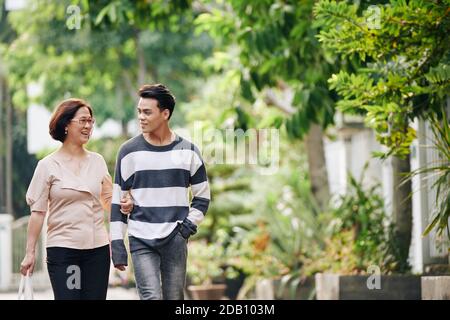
(73, 187)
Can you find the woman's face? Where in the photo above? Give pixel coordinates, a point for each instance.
(79, 129)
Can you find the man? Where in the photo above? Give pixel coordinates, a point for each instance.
(156, 168)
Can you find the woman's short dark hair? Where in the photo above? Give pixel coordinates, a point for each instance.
(159, 92)
(64, 112)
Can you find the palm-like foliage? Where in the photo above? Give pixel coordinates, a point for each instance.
(439, 169)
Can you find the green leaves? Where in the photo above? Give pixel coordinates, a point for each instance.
(119, 44)
(277, 43)
(403, 50)
(297, 126)
(361, 210)
(439, 75)
(109, 10)
(313, 105)
(440, 171)
(139, 13)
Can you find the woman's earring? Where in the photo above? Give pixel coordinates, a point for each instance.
(65, 131)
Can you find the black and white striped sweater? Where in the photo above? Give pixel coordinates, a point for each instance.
(158, 178)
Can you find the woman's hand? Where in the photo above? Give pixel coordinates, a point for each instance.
(121, 267)
(27, 264)
(126, 204)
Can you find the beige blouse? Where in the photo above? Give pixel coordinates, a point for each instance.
(74, 203)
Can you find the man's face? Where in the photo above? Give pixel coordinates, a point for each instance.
(149, 115)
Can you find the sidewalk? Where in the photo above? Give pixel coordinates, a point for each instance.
(114, 293)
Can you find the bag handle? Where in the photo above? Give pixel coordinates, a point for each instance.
(25, 287)
(21, 285)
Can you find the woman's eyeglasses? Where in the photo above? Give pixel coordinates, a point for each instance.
(83, 121)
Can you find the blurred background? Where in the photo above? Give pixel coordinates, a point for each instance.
(343, 107)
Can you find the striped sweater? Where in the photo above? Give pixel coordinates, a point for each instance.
(158, 178)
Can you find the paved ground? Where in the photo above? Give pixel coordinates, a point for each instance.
(116, 293)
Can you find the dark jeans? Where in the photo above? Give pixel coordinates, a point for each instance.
(161, 272)
(79, 274)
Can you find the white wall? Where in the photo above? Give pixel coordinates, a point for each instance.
(38, 135)
(12, 5)
(350, 154)
(335, 158)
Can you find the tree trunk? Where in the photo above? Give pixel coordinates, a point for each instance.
(124, 128)
(120, 102)
(313, 142)
(2, 148)
(8, 167)
(142, 69)
(317, 165)
(402, 208)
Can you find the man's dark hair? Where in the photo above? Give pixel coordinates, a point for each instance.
(161, 93)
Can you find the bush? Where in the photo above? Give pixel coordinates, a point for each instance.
(205, 262)
(360, 235)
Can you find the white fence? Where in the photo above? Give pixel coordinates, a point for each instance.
(13, 240)
(5, 250)
(352, 149)
(438, 245)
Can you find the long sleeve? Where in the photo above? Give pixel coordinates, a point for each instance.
(119, 221)
(200, 195)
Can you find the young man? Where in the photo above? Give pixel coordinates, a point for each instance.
(156, 168)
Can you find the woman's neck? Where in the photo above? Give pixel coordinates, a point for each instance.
(75, 150)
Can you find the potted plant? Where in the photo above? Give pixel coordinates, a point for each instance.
(249, 264)
(204, 270)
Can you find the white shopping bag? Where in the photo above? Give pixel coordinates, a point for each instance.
(25, 288)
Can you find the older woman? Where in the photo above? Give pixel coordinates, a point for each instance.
(73, 187)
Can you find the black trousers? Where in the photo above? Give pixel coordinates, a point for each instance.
(79, 274)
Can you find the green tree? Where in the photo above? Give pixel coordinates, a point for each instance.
(402, 48)
(16, 166)
(404, 52)
(279, 52)
(100, 61)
